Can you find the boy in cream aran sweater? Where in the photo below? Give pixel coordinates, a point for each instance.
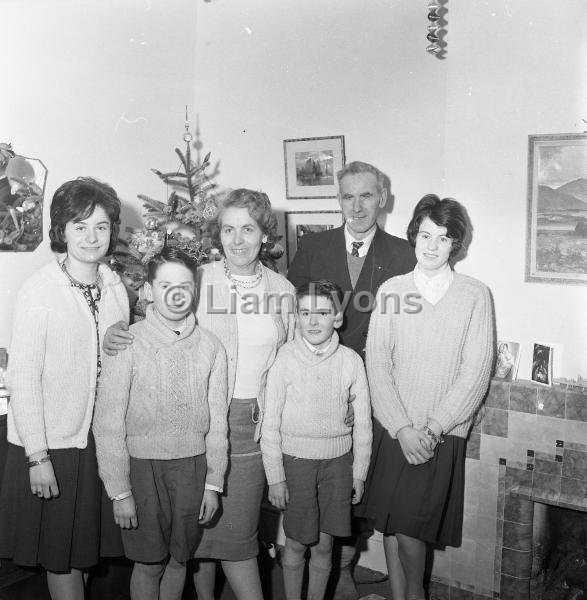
(161, 429)
(314, 463)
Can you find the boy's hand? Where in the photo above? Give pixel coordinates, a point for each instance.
(349, 418)
(415, 445)
(279, 495)
(125, 513)
(358, 489)
(208, 507)
(117, 337)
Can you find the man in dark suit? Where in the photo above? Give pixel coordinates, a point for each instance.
(359, 257)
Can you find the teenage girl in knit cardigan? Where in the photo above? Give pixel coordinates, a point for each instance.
(53, 511)
(428, 371)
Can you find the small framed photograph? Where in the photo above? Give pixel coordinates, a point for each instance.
(300, 223)
(556, 242)
(508, 359)
(542, 364)
(311, 165)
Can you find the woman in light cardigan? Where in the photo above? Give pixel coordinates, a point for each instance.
(428, 371)
(51, 503)
(250, 309)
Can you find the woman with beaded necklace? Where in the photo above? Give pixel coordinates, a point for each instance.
(53, 511)
(249, 307)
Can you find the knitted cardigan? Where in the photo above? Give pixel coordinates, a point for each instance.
(432, 364)
(163, 398)
(52, 368)
(216, 311)
(307, 400)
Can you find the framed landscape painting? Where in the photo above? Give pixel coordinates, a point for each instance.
(301, 223)
(311, 165)
(556, 244)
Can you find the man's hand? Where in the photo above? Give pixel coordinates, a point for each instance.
(415, 445)
(208, 507)
(125, 513)
(279, 495)
(349, 418)
(116, 338)
(358, 489)
(43, 481)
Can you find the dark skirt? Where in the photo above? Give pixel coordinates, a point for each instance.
(421, 501)
(233, 534)
(70, 531)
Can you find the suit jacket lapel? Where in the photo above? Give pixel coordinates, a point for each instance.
(337, 258)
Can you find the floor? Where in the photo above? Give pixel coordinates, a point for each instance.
(111, 582)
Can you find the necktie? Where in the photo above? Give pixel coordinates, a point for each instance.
(355, 248)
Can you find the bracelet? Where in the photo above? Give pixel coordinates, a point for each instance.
(122, 496)
(35, 463)
(438, 439)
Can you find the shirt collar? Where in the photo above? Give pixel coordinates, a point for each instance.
(433, 288)
(349, 239)
(318, 351)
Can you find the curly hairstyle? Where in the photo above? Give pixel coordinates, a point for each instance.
(445, 213)
(259, 208)
(75, 201)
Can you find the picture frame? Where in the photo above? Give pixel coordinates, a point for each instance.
(556, 241)
(541, 372)
(311, 165)
(299, 223)
(508, 360)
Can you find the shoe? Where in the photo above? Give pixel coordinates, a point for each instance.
(363, 575)
(345, 586)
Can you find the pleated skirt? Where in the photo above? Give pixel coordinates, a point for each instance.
(70, 531)
(421, 501)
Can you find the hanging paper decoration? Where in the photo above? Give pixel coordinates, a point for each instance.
(433, 28)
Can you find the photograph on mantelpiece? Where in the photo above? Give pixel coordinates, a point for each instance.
(508, 358)
(542, 364)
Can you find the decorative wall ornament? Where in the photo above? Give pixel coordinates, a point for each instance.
(437, 46)
(22, 189)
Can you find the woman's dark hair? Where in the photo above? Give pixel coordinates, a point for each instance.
(259, 208)
(170, 255)
(321, 288)
(75, 201)
(445, 213)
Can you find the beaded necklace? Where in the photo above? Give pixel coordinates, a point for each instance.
(247, 283)
(92, 294)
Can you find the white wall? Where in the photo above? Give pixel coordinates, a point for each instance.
(459, 127)
(93, 88)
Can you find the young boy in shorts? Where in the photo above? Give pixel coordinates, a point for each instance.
(161, 430)
(315, 464)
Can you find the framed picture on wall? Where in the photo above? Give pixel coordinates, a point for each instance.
(556, 243)
(311, 165)
(301, 223)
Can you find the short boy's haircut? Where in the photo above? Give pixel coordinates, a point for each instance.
(170, 255)
(321, 288)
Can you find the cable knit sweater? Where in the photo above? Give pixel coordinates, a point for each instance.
(307, 400)
(433, 364)
(216, 311)
(163, 398)
(52, 368)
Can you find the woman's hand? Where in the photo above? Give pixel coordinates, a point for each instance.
(43, 480)
(125, 513)
(208, 507)
(116, 338)
(415, 445)
(279, 495)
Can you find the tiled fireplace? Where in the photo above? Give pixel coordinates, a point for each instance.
(529, 445)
